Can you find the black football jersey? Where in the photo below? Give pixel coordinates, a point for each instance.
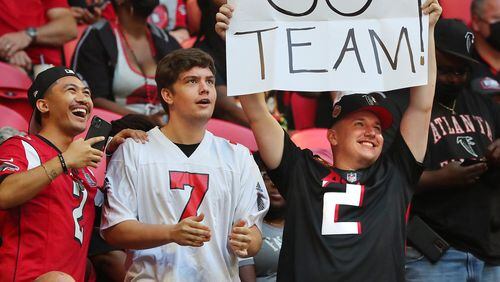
(344, 225)
(467, 217)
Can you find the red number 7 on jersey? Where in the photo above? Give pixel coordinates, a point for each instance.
(199, 186)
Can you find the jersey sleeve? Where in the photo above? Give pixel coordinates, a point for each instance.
(13, 157)
(120, 202)
(253, 201)
(281, 175)
(403, 159)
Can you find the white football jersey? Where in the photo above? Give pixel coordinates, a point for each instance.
(156, 183)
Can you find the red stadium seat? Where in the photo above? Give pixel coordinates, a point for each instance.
(189, 42)
(12, 118)
(315, 140)
(233, 132)
(457, 9)
(14, 85)
(303, 111)
(69, 47)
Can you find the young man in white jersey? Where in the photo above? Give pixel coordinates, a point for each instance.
(187, 203)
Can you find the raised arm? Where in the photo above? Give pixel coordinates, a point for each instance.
(267, 131)
(415, 122)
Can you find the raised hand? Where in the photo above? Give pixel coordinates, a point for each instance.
(240, 239)
(191, 232)
(223, 18)
(433, 9)
(80, 153)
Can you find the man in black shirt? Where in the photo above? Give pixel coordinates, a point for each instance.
(346, 222)
(458, 195)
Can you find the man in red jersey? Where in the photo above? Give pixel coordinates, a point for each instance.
(46, 188)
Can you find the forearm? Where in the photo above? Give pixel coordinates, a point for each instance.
(18, 188)
(60, 29)
(415, 121)
(111, 106)
(133, 234)
(422, 97)
(431, 179)
(268, 133)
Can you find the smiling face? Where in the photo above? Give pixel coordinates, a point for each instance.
(192, 96)
(66, 105)
(356, 140)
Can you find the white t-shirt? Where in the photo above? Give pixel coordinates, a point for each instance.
(152, 183)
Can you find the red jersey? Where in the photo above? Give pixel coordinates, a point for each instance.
(19, 15)
(52, 231)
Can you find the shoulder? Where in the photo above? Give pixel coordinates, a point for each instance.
(20, 141)
(229, 146)
(232, 153)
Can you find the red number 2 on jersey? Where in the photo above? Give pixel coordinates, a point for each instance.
(199, 186)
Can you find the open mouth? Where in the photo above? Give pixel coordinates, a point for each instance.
(203, 102)
(80, 112)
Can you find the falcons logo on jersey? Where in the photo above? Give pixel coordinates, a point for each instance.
(7, 165)
(467, 142)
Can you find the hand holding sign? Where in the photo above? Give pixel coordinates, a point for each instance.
(332, 46)
(434, 10)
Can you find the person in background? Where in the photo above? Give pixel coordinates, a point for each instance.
(227, 108)
(32, 32)
(485, 16)
(264, 266)
(458, 193)
(118, 60)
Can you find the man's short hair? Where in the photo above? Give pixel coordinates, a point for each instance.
(477, 7)
(172, 65)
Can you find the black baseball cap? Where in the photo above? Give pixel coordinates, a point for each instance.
(361, 102)
(41, 84)
(453, 37)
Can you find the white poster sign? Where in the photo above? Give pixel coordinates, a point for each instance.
(323, 45)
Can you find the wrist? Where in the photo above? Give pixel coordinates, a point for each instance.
(31, 32)
(63, 163)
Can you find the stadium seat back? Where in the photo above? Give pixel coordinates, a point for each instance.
(315, 140)
(12, 118)
(303, 111)
(233, 132)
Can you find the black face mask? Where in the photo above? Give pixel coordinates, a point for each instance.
(144, 8)
(448, 92)
(494, 38)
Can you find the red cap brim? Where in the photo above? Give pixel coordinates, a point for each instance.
(382, 113)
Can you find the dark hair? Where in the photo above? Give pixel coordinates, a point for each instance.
(172, 65)
(132, 121)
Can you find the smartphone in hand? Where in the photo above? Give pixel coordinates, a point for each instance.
(468, 162)
(99, 127)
